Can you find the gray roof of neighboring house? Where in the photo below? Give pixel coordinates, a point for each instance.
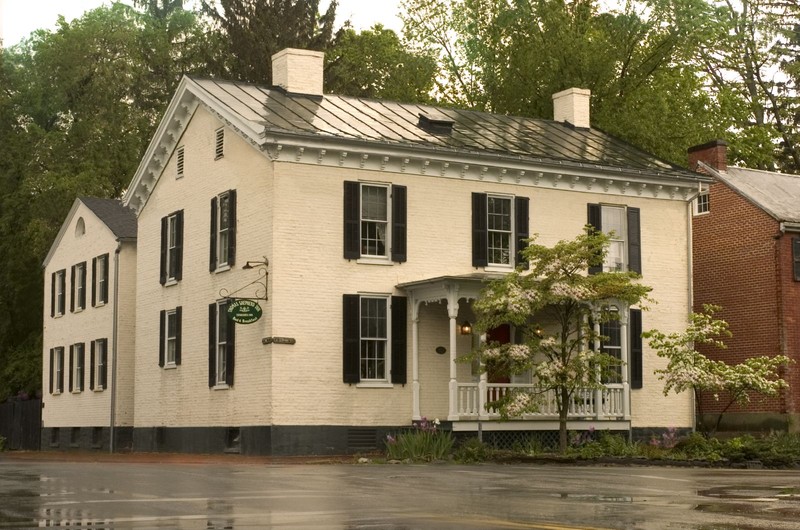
(776, 193)
(272, 110)
(119, 219)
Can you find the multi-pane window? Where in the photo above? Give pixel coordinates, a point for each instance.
(614, 223)
(374, 338)
(223, 231)
(180, 156)
(100, 279)
(172, 248)
(219, 143)
(612, 345)
(169, 347)
(499, 227)
(171, 336)
(99, 368)
(222, 326)
(78, 301)
(59, 290)
(58, 370)
(76, 359)
(374, 220)
(702, 204)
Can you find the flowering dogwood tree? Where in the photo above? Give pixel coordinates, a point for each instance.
(689, 370)
(555, 290)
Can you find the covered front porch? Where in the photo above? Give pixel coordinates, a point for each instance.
(463, 393)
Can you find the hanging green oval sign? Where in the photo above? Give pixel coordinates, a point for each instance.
(244, 311)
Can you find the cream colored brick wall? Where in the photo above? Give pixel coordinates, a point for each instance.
(309, 277)
(88, 408)
(181, 396)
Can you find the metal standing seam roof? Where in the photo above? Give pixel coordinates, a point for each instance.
(776, 193)
(272, 110)
(119, 219)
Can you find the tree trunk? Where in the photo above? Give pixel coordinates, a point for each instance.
(563, 408)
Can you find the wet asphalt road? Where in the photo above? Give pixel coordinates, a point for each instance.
(256, 495)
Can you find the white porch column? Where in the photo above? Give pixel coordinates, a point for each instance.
(452, 312)
(483, 386)
(415, 413)
(625, 354)
(598, 394)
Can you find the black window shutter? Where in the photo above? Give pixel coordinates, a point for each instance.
(399, 223)
(594, 220)
(53, 294)
(212, 344)
(399, 355)
(82, 297)
(82, 365)
(796, 257)
(634, 241)
(178, 331)
(52, 363)
(61, 374)
(212, 255)
(521, 223)
(94, 281)
(164, 236)
(352, 220)
(179, 245)
(71, 365)
(91, 365)
(480, 234)
(104, 290)
(104, 372)
(351, 337)
(232, 227)
(72, 289)
(635, 325)
(162, 331)
(230, 342)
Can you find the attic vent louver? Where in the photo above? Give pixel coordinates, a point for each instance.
(435, 123)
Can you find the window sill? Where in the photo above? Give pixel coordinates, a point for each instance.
(99, 389)
(58, 315)
(222, 268)
(171, 281)
(374, 260)
(170, 366)
(79, 310)
(77, 391)
(100, 304)
(57, 393)
(374, 384)
(222, 386)
(498, 268)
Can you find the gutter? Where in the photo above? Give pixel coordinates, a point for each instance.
(114, 336)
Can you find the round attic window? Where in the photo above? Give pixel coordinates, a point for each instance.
(80, 227)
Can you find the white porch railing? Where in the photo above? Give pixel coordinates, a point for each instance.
(607, 403)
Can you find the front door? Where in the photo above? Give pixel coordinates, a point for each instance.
(502, 335)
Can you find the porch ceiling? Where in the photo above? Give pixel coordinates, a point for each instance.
(466, 286)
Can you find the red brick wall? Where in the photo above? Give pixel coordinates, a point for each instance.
(790, 318)
(736, 257)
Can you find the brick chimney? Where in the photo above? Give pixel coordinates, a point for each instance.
(572, 106)
(713, 153)
(298, 71)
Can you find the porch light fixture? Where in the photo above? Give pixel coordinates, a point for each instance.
(254, 264)
(466, 328)
(538, 331)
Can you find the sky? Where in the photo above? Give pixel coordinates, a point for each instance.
(18, 18)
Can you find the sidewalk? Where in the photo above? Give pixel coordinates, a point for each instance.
(170, 458)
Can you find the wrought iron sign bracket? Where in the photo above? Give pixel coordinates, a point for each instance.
(257, 287)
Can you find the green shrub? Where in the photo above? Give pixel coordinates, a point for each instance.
(607, 445)
(473, 450)
(424, 442)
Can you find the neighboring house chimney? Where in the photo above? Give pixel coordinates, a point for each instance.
(298, 71)
(572, 106)
(713, 153)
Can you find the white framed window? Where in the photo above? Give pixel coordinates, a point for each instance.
(374, 220)
(77, 356)
(172, 247)
(219, 143)
(79, 286)
(222, 350)
(499, 211)
(614, 223)
(611, 344)
(100, 280)
(179, 162)
(58, 370)
(100, 367)
(375, 355)
(59, 288)
(171, 336)
(223, 231)
(702, 203)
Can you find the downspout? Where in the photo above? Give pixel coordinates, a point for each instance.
(690, 290)
(114, 334)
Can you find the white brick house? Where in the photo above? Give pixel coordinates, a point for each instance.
(89, 318)
(364, 229)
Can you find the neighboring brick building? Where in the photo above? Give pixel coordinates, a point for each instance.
(378, 223)
(746, 251)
